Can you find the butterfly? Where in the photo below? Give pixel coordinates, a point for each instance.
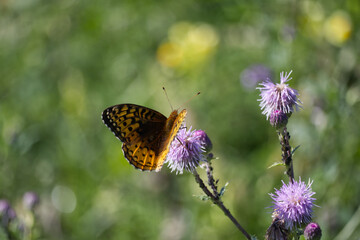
(146, 134)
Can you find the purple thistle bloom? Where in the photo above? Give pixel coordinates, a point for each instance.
(7, 213)
(30, 200)
(254, 74)
(186, 151)
(278, 119)
(293, 203)
(204, 140)
(278, 96)
(312, 232)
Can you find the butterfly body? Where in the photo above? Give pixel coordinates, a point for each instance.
(146, 134)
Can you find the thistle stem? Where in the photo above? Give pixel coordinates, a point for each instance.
(216, 200)
(211, 181)
(284, 138)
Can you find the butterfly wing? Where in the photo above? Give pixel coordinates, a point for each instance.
(141, 155)
(173, 124)
(150, 153)
(142, 131)
(129, 122)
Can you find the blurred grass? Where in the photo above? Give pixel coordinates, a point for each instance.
(63, 62)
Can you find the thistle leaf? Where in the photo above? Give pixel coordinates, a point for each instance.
(275, 164)
(293, 151)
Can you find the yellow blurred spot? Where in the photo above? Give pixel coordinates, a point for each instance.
(169, 54)
(178, 32)
(188, 46)
(337, 28)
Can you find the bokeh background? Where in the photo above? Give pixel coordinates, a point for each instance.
(63, 62)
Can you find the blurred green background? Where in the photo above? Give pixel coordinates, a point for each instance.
(64, 62)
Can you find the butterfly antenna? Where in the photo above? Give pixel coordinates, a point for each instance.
(167, 97)
(191, 98)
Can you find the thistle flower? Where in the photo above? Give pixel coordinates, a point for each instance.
(278, 119)
(7, 213)
(293, 203)
(312, 232)
(204, 140)
(278, 96)
(186, 151)
(30, 200)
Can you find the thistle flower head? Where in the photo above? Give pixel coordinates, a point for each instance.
(293, 203)
(30, 200)
(278, 119)
(204, 140)
(312, 232)
(278, 96)
(186, 151)
(7, 213)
